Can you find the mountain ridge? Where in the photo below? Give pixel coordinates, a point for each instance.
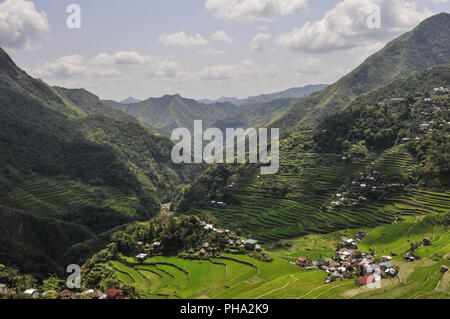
(426, 45)
(296, 92)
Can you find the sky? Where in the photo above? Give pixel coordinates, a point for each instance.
(200, 48)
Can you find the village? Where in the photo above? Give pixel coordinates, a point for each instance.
(368, 185)
(349, 262)
(32, 293)
(371, 184)
(223, 240)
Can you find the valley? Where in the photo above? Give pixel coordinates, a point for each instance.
(363, 188)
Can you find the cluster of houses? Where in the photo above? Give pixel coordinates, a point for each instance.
(147, 249)
(67, 294)
(112, 293)
(427, 115)
(367, 182)
(229, 240)
(441, 91)
(349, 262)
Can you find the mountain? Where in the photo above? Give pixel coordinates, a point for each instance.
(91, 104)
(375, 140)
(223, 99)
(173, 111)
(68, 175)
(130, 100)
(254, 115)
(264, 98)
(425, 46)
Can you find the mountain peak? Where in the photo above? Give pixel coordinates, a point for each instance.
(130, 100)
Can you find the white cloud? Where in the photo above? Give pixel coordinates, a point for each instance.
(258, 43)
(345, 26)
(63, 67)
(110, 65)
(246, 69)
(122, 57)
(222, 36)
(254, 10)
(20, 23)
(182, 39)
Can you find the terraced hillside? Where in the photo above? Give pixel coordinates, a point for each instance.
(296, 201)
(240, 276)
(49, 196)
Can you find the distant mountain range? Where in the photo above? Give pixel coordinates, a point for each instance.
(425, 46)
(130, 100)
(264, 98)
(173, 111)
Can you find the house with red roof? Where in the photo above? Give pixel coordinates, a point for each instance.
(364, 280)
(113, 293)
(66, 294)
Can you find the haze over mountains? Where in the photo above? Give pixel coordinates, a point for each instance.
(264, 98)
(173, 111)
(130, 100)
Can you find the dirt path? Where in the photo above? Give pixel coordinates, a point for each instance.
(268, 293)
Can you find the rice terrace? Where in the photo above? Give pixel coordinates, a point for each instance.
(211, 154)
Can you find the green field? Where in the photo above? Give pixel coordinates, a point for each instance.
(240, 276)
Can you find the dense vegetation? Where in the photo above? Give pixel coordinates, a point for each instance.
(62, 166)
(376, 122)
(317, 164)
(91, 104)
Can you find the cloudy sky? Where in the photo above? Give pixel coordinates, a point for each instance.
(201, 48)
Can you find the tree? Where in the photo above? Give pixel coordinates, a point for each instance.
(358, 151)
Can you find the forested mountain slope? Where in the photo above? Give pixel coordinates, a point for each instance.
(66, 169)
(425, 46)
